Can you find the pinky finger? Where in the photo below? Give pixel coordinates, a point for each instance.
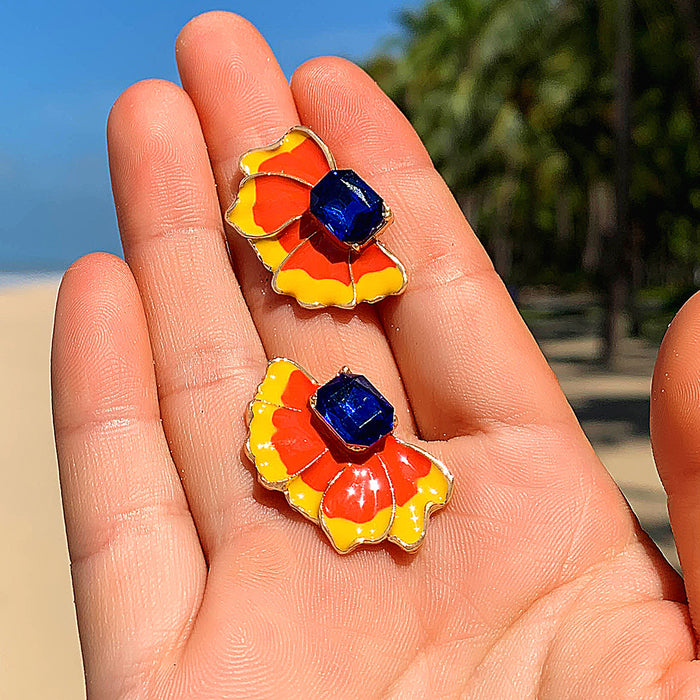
(137, 567)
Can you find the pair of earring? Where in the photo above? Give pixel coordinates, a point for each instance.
(330, 447)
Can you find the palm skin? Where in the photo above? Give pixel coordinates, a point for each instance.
(192, 581)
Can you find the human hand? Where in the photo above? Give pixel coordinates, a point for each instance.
(192, 581)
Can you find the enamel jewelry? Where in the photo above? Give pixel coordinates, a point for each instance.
(314, 226)
(330, 449)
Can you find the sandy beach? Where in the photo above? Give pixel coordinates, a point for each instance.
(39, 653)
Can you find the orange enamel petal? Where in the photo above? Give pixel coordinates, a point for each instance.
(277, 444)
(299, 153)
(358, 505)
(305, 491)
(377, 274)
(296, 441)
(359, 493)
(282, 441)
(266, 204)
(317, 273)
(421, 485)
(320, 259)
(273, 251)
(405, 465)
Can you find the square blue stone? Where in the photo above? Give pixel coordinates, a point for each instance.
(353, 408)
(347, 206)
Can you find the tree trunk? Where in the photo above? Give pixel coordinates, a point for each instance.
(601, 225)
(502, 240)
(636, 279)
(614, 322)
(617, 278)
(688, 15)
(502, 254)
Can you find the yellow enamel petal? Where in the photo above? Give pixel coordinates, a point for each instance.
(346, 534)
(276, 379)
(410, 520)
(374, 286)
(273, 251)
(268, 399)
(312, 292)
(304, 498)
(240, 215)
(251, 161)
(270, 251)
(270, 466)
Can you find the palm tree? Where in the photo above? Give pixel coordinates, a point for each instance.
(489, 85)
(553, 153)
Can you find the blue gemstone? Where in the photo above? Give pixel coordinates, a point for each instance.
(354, 409)
(347, 206)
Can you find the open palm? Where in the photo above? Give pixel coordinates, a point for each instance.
(193, 581)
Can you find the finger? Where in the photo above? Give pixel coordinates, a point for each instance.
(137, 566)
(243, 101)
(675, 436)
(467, 359)
(207, 353)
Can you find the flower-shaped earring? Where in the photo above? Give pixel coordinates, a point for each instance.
(330, 449)
(314, 226)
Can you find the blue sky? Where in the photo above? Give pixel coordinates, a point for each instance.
(66, 62)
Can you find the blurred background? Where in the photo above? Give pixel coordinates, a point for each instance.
(567, 130)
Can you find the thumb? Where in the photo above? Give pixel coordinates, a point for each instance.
(675, 438)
